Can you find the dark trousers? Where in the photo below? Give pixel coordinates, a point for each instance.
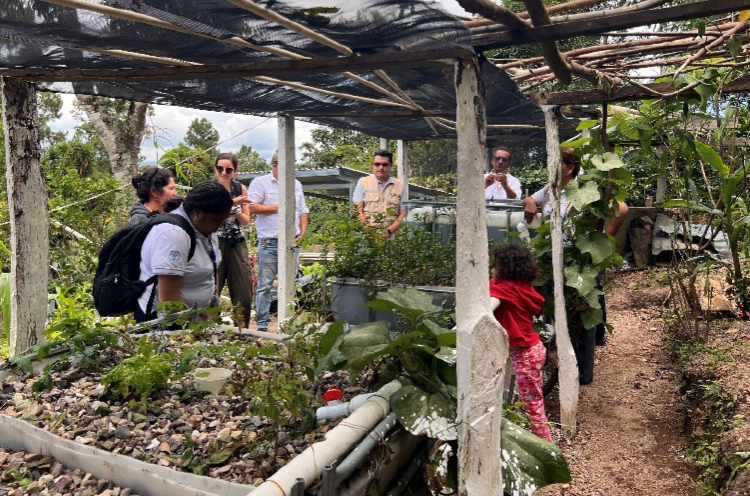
(235, 271)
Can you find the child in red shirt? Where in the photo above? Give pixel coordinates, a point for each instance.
(515, 302)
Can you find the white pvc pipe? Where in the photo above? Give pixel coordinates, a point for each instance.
(339, 410)
(338, 441)
(141, 477)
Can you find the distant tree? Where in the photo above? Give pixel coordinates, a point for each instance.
(250, 160)
(201, 134)
(339, 148)
(121, 126)
(189, 166)
(50, 108)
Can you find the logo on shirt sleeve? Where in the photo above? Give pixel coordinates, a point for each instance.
(174, 256)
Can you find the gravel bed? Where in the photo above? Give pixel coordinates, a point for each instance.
(30, 473)
(213, 435)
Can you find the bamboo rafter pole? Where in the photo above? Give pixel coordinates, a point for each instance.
(291, 84)
(298, 28)
(129, 15)
(740, 27)
(710, 31)
(153, 21)
(553, 9)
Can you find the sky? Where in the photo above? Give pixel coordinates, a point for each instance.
(169, 124)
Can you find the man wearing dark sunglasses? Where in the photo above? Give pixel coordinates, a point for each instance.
(500, 184)
(378, 198)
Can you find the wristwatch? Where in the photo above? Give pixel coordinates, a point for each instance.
(389, 232)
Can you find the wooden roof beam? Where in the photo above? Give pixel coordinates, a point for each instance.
(492, 37)
(270, 68)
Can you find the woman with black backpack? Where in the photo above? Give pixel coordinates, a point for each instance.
(183, 257)
(234, 269)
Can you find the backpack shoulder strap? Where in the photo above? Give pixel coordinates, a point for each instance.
(180, 221)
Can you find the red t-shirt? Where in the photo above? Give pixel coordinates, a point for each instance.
(519, 302)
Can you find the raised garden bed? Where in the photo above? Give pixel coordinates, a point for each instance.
(229, 436)
(33, 473)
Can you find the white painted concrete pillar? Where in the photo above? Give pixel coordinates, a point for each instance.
(287, 218)
(565, 355)
(27, 205)
(482, 342)
(383, 144)
(404, 169)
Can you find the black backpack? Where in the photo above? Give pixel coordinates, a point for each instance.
(116, 284)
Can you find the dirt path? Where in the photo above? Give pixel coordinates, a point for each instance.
(630, 439)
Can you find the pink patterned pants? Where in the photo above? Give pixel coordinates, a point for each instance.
(528, 362)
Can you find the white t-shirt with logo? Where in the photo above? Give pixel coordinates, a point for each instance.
(165, 252)
(265, 191)
(495, 191)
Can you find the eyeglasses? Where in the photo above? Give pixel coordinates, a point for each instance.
(381, 164)
(221, 169)
(501, 159)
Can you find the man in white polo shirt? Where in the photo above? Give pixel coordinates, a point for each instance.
(500, 184)
(264, 193)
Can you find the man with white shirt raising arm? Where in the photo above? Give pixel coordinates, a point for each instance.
(264, 193)
(499, 184)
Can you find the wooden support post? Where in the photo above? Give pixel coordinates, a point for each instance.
(404, 170)
(566, 356)
(27, 204)
(287, 218)
(482, 342)
(383, 144)
(661, 188)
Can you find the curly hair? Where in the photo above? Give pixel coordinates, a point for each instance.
(514, 262)
(152, 178)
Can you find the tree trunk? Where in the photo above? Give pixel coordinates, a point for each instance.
(121, 135)
(27, 204)
(482, 342)
(565, 353)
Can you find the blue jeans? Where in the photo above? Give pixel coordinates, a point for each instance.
(268, 267)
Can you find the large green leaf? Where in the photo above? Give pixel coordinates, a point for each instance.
(331, 336)
(737, 176)
(365, 339)
(447, 354)
(445, 337)
(598, 244)
(408, 301)
(580, 196)
(584, 280)
(709, 155)
(607, 161)
(530, 463)
(592, 298)
(592, 318)
(433, 415)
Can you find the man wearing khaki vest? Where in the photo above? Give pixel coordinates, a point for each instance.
(379, 197)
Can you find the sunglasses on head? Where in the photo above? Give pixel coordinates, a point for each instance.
(221, 169)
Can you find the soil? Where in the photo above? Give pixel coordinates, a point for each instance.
(630, 439)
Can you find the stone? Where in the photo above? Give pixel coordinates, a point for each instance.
(32, 457)
(57, 470)
(33, 488)
(126, 492)
(224, 434)
(62, 483)
(122, 432)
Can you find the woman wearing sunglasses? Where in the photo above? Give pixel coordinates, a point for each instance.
(234, 269)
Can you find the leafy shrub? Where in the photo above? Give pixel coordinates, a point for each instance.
(140, 375)
(413, 257)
